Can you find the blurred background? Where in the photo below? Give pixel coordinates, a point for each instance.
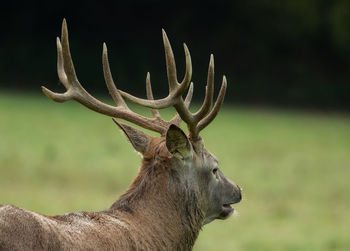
(290, 53)
(283, 133)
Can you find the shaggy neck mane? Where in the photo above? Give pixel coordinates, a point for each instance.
(157, 197)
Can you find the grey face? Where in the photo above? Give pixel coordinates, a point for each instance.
(199, 169)
(217, 191)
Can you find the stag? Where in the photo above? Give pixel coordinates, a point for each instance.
(178, 189)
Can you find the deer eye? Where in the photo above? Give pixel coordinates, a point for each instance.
(215, 170)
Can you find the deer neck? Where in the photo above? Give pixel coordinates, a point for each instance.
(164, 206)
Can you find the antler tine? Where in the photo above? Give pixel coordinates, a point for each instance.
(177, 118)
(220, 99)
(170, 62)
(149, 93)
(188, 72)
(189, 95)
(60, 68)
(113, 91)
(68, 62)
(209, 92)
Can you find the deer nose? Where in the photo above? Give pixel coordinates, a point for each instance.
(238, 193)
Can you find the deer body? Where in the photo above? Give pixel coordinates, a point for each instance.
(150, 227)
(152, 214)
(25, 230)
(179, 187)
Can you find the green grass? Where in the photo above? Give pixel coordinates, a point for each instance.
(294, 168)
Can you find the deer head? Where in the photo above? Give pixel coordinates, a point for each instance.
(179, 163)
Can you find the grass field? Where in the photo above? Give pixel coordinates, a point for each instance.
(294, 168)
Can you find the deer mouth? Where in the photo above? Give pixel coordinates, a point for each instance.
(227, 207)
(226, 212)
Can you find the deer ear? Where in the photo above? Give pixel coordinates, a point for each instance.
(177, 142)
(139, 140)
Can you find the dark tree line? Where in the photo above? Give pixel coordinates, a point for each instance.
(272, 52)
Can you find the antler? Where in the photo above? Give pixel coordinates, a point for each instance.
(68, 78)
(195, 122)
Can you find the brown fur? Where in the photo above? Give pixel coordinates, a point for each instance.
(156, 213)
